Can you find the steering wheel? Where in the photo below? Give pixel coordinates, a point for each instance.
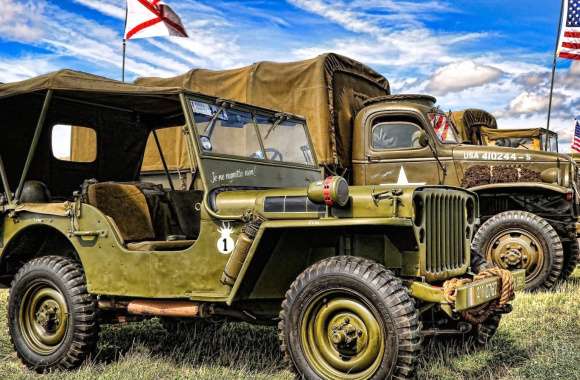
(275, 155)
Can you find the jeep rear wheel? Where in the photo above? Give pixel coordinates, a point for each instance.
(349, 318)
(522, 240)
(51, 317)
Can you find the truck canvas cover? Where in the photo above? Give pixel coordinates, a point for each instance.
(327, 90)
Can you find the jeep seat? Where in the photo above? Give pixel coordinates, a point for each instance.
(126, 205)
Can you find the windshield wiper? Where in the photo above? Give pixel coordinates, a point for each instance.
(208, 131)
(280, 117)
(523, 146)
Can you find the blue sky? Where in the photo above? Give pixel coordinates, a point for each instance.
(492, 54)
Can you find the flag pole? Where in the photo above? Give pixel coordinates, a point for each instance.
(554, 63)
(124, 56)
(124, 44)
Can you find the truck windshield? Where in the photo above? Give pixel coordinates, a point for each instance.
(235, 132)
(515, 142)
(552, 142)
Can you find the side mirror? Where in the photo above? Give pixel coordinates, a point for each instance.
(421, 138)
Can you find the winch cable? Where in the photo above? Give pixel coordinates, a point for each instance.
(481, 313)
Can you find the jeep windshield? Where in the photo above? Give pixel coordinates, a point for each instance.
(226, 130)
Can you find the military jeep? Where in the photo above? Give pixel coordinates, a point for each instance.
(354, 276)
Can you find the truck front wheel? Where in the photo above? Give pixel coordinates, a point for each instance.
(571, 256)
(349, 318)
(522, 240)
(51, 316)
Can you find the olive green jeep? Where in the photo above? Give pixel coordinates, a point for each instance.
(354, 276)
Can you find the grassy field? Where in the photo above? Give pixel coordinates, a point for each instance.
(539, 340)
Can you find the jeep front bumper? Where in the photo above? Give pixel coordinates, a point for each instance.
(468, 296)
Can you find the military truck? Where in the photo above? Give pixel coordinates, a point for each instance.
(479, 127)
(354, 276)
(529, 199)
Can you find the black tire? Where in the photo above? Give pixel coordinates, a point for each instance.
(545, 241)
(571, 257)
(370, 285)
(38, 286)
(483, 332)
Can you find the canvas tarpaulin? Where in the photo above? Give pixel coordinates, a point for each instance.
(121, 114)
(327, 90)
(468, 123)
(494, 134)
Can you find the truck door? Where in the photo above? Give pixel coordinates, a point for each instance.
(395, 154)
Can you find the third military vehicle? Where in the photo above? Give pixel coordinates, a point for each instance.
(478, 127)
(529, 199)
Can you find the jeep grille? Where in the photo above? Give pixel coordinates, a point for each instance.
(447, 218)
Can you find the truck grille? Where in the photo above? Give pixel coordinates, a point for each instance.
(447, 228)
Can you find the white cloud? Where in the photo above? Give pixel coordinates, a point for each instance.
(107, 7)
(21, 20)
(394, 37)
(19, 68)
(529, 103)
(459, 76)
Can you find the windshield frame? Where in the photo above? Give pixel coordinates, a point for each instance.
(254, 112)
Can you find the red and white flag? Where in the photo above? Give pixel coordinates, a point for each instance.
(152, 18)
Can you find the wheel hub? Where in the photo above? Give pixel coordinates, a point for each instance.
(43, 318)
(517, 248)
(342, 338)
(48, 315)
(345, 336)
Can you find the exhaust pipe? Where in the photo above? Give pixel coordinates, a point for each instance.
(177, 309)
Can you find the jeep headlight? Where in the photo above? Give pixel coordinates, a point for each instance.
(332, 191)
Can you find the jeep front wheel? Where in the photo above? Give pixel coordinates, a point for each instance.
(51, 317)
(522, 240)
(349, 318)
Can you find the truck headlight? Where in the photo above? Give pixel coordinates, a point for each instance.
(550, 175)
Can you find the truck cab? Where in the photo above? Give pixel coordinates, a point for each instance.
(407, 139)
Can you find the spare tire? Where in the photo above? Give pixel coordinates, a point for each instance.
(522, 240)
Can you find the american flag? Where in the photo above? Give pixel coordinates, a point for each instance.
(569, 43)
(441, 126)
(576, 140)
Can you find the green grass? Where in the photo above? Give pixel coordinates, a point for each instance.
(540, 339)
